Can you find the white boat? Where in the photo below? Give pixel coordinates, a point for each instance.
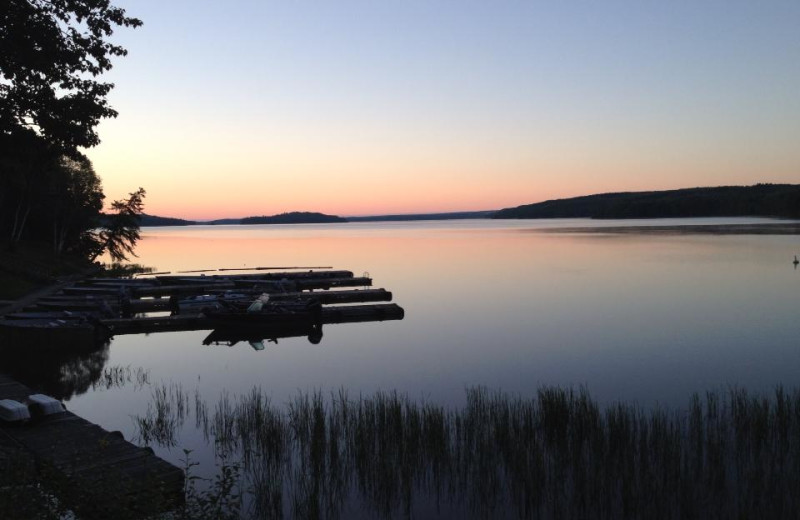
(203, 302)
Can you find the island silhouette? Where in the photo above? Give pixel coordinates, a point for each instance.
(759, 200)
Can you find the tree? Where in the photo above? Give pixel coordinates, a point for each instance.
(74, 203)
(121, 232)
(51, 53)
(26, 161)
(51, 100)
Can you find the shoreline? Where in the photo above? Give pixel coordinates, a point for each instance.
(684, 229)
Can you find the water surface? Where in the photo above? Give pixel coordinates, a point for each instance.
(489, 303)
(636, 318)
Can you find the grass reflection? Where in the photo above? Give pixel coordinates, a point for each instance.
(119, 376)
(727, 455)
(166, 414)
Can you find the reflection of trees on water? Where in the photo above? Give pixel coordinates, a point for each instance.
(555, 455)
(61, 370)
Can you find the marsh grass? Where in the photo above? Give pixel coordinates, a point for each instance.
(119, 376)
(166, 415)
(556, 455)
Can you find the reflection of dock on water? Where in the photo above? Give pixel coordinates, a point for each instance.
(99, 471)
(103, 307)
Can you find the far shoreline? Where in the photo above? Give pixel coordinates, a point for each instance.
(784, 228)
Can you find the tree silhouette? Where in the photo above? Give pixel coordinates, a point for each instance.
(74, 203)
(52, 53)
(121, 232)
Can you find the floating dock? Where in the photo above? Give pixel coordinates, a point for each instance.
(330, 315)
(98, 472)
(75, 303)
(97, 308)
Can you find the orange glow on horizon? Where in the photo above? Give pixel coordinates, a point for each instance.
(198, 177)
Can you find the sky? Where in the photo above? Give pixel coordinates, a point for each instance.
(256, 107)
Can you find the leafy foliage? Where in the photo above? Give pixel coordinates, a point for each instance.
(220, 500)
(53, 52)
(51, 100)
(74, 199)
(121, 233)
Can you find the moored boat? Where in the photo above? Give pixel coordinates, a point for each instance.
(264, 312)
(202, 302)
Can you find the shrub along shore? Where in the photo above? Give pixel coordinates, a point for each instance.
(29, 267)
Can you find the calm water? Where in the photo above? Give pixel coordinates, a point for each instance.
(638, 318)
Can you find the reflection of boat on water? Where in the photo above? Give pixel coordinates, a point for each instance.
(256, 334)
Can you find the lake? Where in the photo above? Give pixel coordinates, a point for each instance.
(636, 318)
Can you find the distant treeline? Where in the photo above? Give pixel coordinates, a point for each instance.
(762, 200)
(295, 217)
(152, 220)
(423, 216)
(304, 217)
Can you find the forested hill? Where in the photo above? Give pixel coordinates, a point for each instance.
(153, 220)
(295, 217)
(763, 200)
(423, 216)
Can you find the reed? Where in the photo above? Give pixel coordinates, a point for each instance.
(559, 454)
(165, 416)
(119, 376)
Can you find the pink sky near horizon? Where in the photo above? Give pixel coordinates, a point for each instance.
(195, 206)
(200, 192)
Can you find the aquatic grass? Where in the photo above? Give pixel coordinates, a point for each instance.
(201, 413)
(727, 454)
(119, 376)
(165, 415)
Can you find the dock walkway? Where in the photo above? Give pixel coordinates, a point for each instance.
(94, 309)
(99, 472)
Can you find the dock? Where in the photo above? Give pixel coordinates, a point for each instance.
(96, 471)
(330, 315)
(98, 308)
(79, 303)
